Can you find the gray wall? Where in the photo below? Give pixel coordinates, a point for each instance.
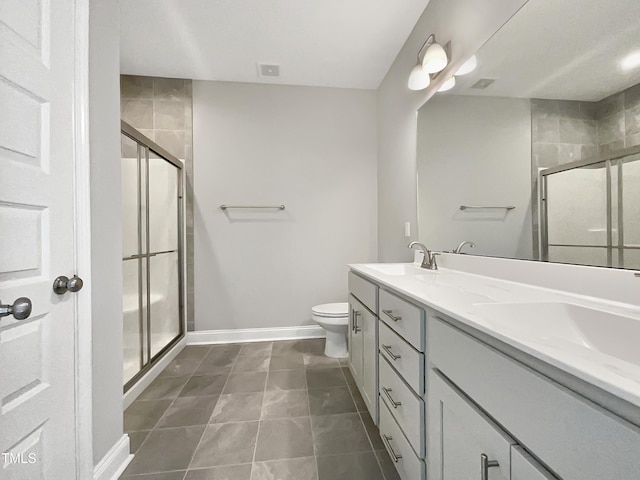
(161, 109)
(106, 225)
(475, 151)
(312, 149)
(467, 25)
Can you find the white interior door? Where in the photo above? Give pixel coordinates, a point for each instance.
(37, 421)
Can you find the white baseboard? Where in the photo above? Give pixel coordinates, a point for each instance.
(114, 462)
(254, 334)
(135, 391)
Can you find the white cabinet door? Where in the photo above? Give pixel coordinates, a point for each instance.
(37, 242)
(524, 467)
(466, 442)
(369, 387)
(356, 345)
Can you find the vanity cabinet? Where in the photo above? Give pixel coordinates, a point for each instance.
(471, 445)
(363, 340)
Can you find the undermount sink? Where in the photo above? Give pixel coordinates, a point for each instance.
(396, 269)
(608, 333)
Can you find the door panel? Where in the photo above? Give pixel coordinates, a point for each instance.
(37, 422)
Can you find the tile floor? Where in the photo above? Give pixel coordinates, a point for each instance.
(256, 411)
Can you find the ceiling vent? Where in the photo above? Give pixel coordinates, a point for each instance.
(483, 83)
(266, 70)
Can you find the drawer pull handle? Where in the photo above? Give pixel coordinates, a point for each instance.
(387, 392)
(485, 465)
(387, 443)
(387, 348)
(389, 313)
(355, 326)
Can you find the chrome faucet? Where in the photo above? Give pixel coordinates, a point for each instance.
(428, 257)
(462, 244)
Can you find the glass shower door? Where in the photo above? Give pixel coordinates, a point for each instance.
(152, 249)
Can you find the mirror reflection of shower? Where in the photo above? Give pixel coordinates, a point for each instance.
(152, 253)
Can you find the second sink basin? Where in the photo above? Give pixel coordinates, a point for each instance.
(608, 333)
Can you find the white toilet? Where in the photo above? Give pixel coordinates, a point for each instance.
(334, 318)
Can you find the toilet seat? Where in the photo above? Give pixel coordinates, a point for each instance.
(331, 310)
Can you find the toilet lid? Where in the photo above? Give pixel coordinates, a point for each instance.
(331, 310)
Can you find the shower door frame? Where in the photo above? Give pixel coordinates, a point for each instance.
(151, 361)
(610, 161)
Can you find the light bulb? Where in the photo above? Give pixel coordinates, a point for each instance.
(448, 85)
(419, 79)
(630, 61)
(468, 66)
(435, 59)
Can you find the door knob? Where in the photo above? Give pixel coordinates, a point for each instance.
(20, 309)
(63, 284)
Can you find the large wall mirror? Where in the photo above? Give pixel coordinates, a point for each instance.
(536, 153)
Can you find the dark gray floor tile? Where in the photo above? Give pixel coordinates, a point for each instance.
(320, 360)
(285, 404)
(336, 434)
(257, 363)
(314, 345)
(386, 464)
(332, 400)
(288, 361)
(218, 360)
(177, 475)
(143, 415)
(204, 385)
(188, 411)
(237, 407)
(292, 346)
(372, 431)
(255, 348)
(329, 377)
(230, 472)
(284, 438)
(286, 380)
(163, 387)
(292, 469)
(194, 351)
(355, 466)
(166, 450)
(357, 398)
(246, 382)
(348, 376)
(226, 444)
(180, 367)
(136, 439)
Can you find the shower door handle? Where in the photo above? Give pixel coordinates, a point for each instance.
(62, 284)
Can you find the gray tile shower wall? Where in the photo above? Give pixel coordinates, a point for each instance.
(162, 109)
(564, 131)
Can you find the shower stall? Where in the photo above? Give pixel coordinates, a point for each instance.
(153, 305)
(590, 211)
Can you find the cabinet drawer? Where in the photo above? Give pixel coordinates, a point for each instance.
(404, 358)
(365, 291)
(524, 467)
(409, 466)
(403, 317)
(406, 408)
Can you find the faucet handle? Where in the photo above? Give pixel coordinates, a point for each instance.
(434, 263)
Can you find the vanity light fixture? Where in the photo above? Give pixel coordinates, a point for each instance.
(631, 61)
(432, 58)
(468, 66)
(448, 85)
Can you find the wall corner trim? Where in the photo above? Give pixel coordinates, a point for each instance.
(115, 461)
(254, 334)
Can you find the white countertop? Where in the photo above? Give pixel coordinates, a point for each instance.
(557, 341)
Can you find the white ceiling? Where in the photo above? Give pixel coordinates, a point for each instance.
(568, 49)
(328, 43)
